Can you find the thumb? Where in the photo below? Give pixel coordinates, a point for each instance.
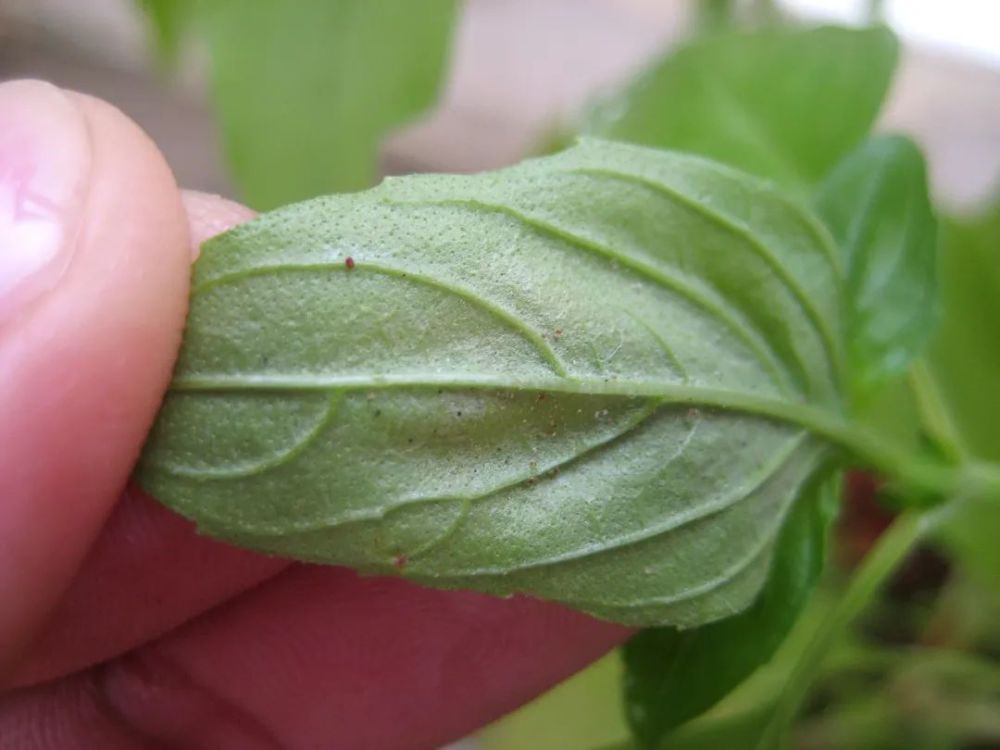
(94, 268)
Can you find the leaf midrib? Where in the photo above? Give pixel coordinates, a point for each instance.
(673, 283)
(825, 422)
(668, 276)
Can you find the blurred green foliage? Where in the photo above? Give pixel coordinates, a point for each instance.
(306, 91)
(169, 21)
(876, 204)
(965, 363)
(783, 103)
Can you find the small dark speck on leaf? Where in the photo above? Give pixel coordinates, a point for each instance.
(349, 262)
(541, 396)
(399, 562)
(378, 412)
(559, 332)
(458, 413)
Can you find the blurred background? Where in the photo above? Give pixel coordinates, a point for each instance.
(515, 78)
(519, 68)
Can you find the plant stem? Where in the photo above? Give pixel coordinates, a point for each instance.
(876, 569)
(913, 472)
(934, 413)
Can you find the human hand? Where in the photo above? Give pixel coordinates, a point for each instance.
(120, 628)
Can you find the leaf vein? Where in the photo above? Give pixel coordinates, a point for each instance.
(377, 513)
(672, 358)
(741, 232)
(512, 320)
(704, 589)
(671, 523)
(256, 468)
(661, 277)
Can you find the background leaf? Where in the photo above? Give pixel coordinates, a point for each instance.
(965, 362)
(877, 206)
(965, 356)
(674, 675)
(781, 103)
(169, 19)
(305, 91)
(592, 377)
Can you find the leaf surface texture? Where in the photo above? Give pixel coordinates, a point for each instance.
(593, 377)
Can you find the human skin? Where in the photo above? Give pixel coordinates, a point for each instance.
(120, 627)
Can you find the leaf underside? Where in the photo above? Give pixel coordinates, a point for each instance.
(672, 676)
(588, 377)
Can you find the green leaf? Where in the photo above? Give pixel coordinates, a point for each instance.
(965, 355)
(971, 534)
(965, 362)
(781, 103)
(876, 204)
(595, 377)
(305, 91)
(169, 20)
(674, 675)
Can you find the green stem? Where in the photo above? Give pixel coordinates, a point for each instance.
(934, 413)
(876, 569)
(912, 472)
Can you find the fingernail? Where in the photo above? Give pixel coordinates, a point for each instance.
(44, 163)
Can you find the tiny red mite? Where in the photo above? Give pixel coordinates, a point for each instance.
(349, 262)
